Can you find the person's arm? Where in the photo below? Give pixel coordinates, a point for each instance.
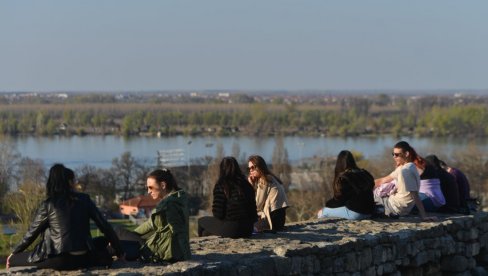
(385, 179)
(420, 207)
(145, 228)
(105, 227)
(37, 226)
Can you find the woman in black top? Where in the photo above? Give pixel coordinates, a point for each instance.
(353, 191)
(234, 204)
(63, 223)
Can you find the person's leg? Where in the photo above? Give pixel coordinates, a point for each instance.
(66, 261)
(278, 218)
(342, 212)
(131, 242)
(383, 201)
(208, 226)
(20, 259)
(102, 253)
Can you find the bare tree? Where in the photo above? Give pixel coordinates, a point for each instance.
(24, 202)
(9, 159)
(280, 162)
(304, 205)
(129, 174)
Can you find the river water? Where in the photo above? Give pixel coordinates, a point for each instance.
(99, 151)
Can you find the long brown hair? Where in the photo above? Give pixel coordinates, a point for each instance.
(261, 166)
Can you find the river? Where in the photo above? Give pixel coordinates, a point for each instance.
(99, 151)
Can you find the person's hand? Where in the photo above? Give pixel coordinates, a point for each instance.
(8, 261)
(319, 213)
(122, 258)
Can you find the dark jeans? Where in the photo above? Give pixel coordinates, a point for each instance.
(278, 218)
(225, 228)
(131, 243)
(65, 261)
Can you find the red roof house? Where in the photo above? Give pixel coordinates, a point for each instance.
(137, 205)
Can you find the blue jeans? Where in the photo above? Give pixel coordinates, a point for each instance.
(342, 212)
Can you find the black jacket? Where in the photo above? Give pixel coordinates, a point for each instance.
(356, 192)
(239, 205)
(65, 227)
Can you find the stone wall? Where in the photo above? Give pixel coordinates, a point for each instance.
(453, 245)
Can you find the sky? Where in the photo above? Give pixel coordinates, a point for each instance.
(120, 45)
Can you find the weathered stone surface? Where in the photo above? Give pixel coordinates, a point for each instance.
(456, 263)
(330, 246)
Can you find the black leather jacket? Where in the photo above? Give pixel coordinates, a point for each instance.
(65, 227)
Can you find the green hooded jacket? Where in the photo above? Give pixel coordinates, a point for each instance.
(167, 230)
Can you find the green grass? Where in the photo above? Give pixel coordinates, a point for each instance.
(126, 223)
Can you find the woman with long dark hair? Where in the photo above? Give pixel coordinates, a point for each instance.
(353, 191)
(233, 207)
(164, 237)
(63, 222)
(271, 200)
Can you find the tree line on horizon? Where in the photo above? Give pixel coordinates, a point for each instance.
(350, 116)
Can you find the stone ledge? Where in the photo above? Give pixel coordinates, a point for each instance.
(454, 244)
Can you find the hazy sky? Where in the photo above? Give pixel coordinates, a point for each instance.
(109, 45)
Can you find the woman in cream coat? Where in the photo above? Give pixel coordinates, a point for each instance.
(271, 200)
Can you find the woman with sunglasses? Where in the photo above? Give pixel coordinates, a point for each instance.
(407, 179)
(271, 200)
(234, 206)
(164, 237)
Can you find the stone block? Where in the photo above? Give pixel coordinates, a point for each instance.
(351, 263)
(482, 257)
(478, 271)
(483, 227)
(432, 243)
(296, 265)
(472, 249)
(282, 265)
(471, 263)
(365, 258)
(467, 235)
(456, 263)
(389, 267)
(447, 245)
(339, 264)
(420, 259)
(484, 240)
(327, 266)
(379, 255)
(370, 271)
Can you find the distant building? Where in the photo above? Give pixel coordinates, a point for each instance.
(137, 206)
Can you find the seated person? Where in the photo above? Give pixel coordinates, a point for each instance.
(449, 186)
(164, 237)
(271, 200)
(234, 205)
(353, 191)
(407, 184)
(462, 182)
(430, 189)
(63, 223)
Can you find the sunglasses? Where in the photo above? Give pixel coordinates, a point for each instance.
(396, 154)
(252, 168)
